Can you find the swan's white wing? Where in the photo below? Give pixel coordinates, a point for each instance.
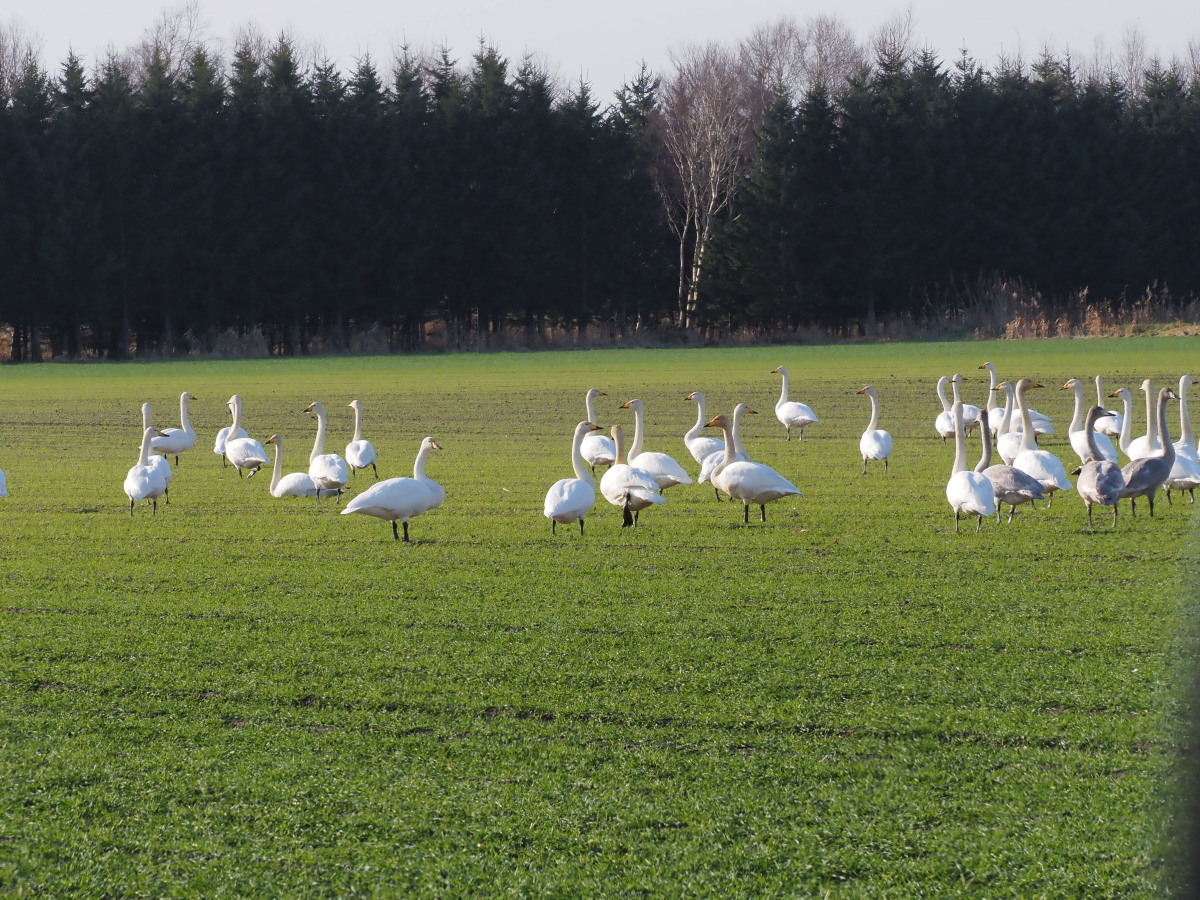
(360, 454)
(703, 447)
(1045, 467)
(971, 493)
(598, 450)
(794, 414)
(875, 445)
(329, 471)
(665, 470)
(392, 499)
(568, 499)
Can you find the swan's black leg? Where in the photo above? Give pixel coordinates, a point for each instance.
(1115, 505)
(553, 525)
(395, 532)
(131, 507)
(154, 506)
(746, 513)
(956, 521)
(718, 494)
(1150, 497)
(375, 470)
(406, 540)
(762, 512)
(626, 516)
(581, 526)
(978, 523)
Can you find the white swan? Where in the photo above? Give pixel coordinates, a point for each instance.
(177, 440)
(1145, 475)
(968, 493)
(874, 443)
(1126, 418)
(749, 482)
(627, 487)
(597, 449)
(1009, 485)
(224, 435)
(1099, 480)
(791, 413)
(1110, 423)
(944, 423)
(699, 445)
(359, 452)
(399, 499)
(158, 463)
(143, 481)
(328, 470)
(1185, 474)
(970, 411)
(571, 499)
(243, 452)
(297, 484)
(665, 470)
(740, 453)
(1081, 442)
(1041, 464)
(1150, 443)
(1008, 442)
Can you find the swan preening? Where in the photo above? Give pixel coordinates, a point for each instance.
(328, 470)
(790, 413)
(400, 499)
(571, 499)
(747, 481)
(968, 493)
(627, 487)
(874, 443)
(1099, 480)
(359, 452)
(243, 452)
(144, 481)
(173, 441)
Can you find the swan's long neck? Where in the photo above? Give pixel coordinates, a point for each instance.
(237, 418)
(1100, 391)
(1027, 440)
(954, 390)
(184, 420)
(277, 472)
(694, 431)
(960, 440)
(145, 416)
(1152, 429)
(941, 392)
(783, 391)
(319, 444)
(1185, 420)
(147, 437)
(736, 431)
(728, 456)
(874, 423)
(986, 459)
(1126, 436)
(581, 470)
(589, 401)
(358, 416)
(1077, 418)
(1168, 449)
(1006, 421)
(419, 465)
(639, 424)
(618, 436)
(991, 401)
(1090, 431)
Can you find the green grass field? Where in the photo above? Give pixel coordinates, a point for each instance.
(244, 696)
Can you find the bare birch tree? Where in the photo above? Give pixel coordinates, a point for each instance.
(704, 125)
(822, 53)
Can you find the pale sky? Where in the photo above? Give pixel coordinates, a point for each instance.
(605, 42)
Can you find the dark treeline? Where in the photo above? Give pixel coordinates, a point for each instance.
(153, 209)
(919, 179)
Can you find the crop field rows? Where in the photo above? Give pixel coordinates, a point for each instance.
(249, 696)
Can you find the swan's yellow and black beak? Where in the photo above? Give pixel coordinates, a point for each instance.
(753, 412)
(717, 422)
(625, 405)
(435, 445)
(983, 366)
(592, 426)
(1036, 384)
(861, 391)
(1066, 387)
(309, 408)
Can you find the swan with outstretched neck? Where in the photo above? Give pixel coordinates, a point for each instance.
(400, 499)
(571, 499)
(597, 448)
